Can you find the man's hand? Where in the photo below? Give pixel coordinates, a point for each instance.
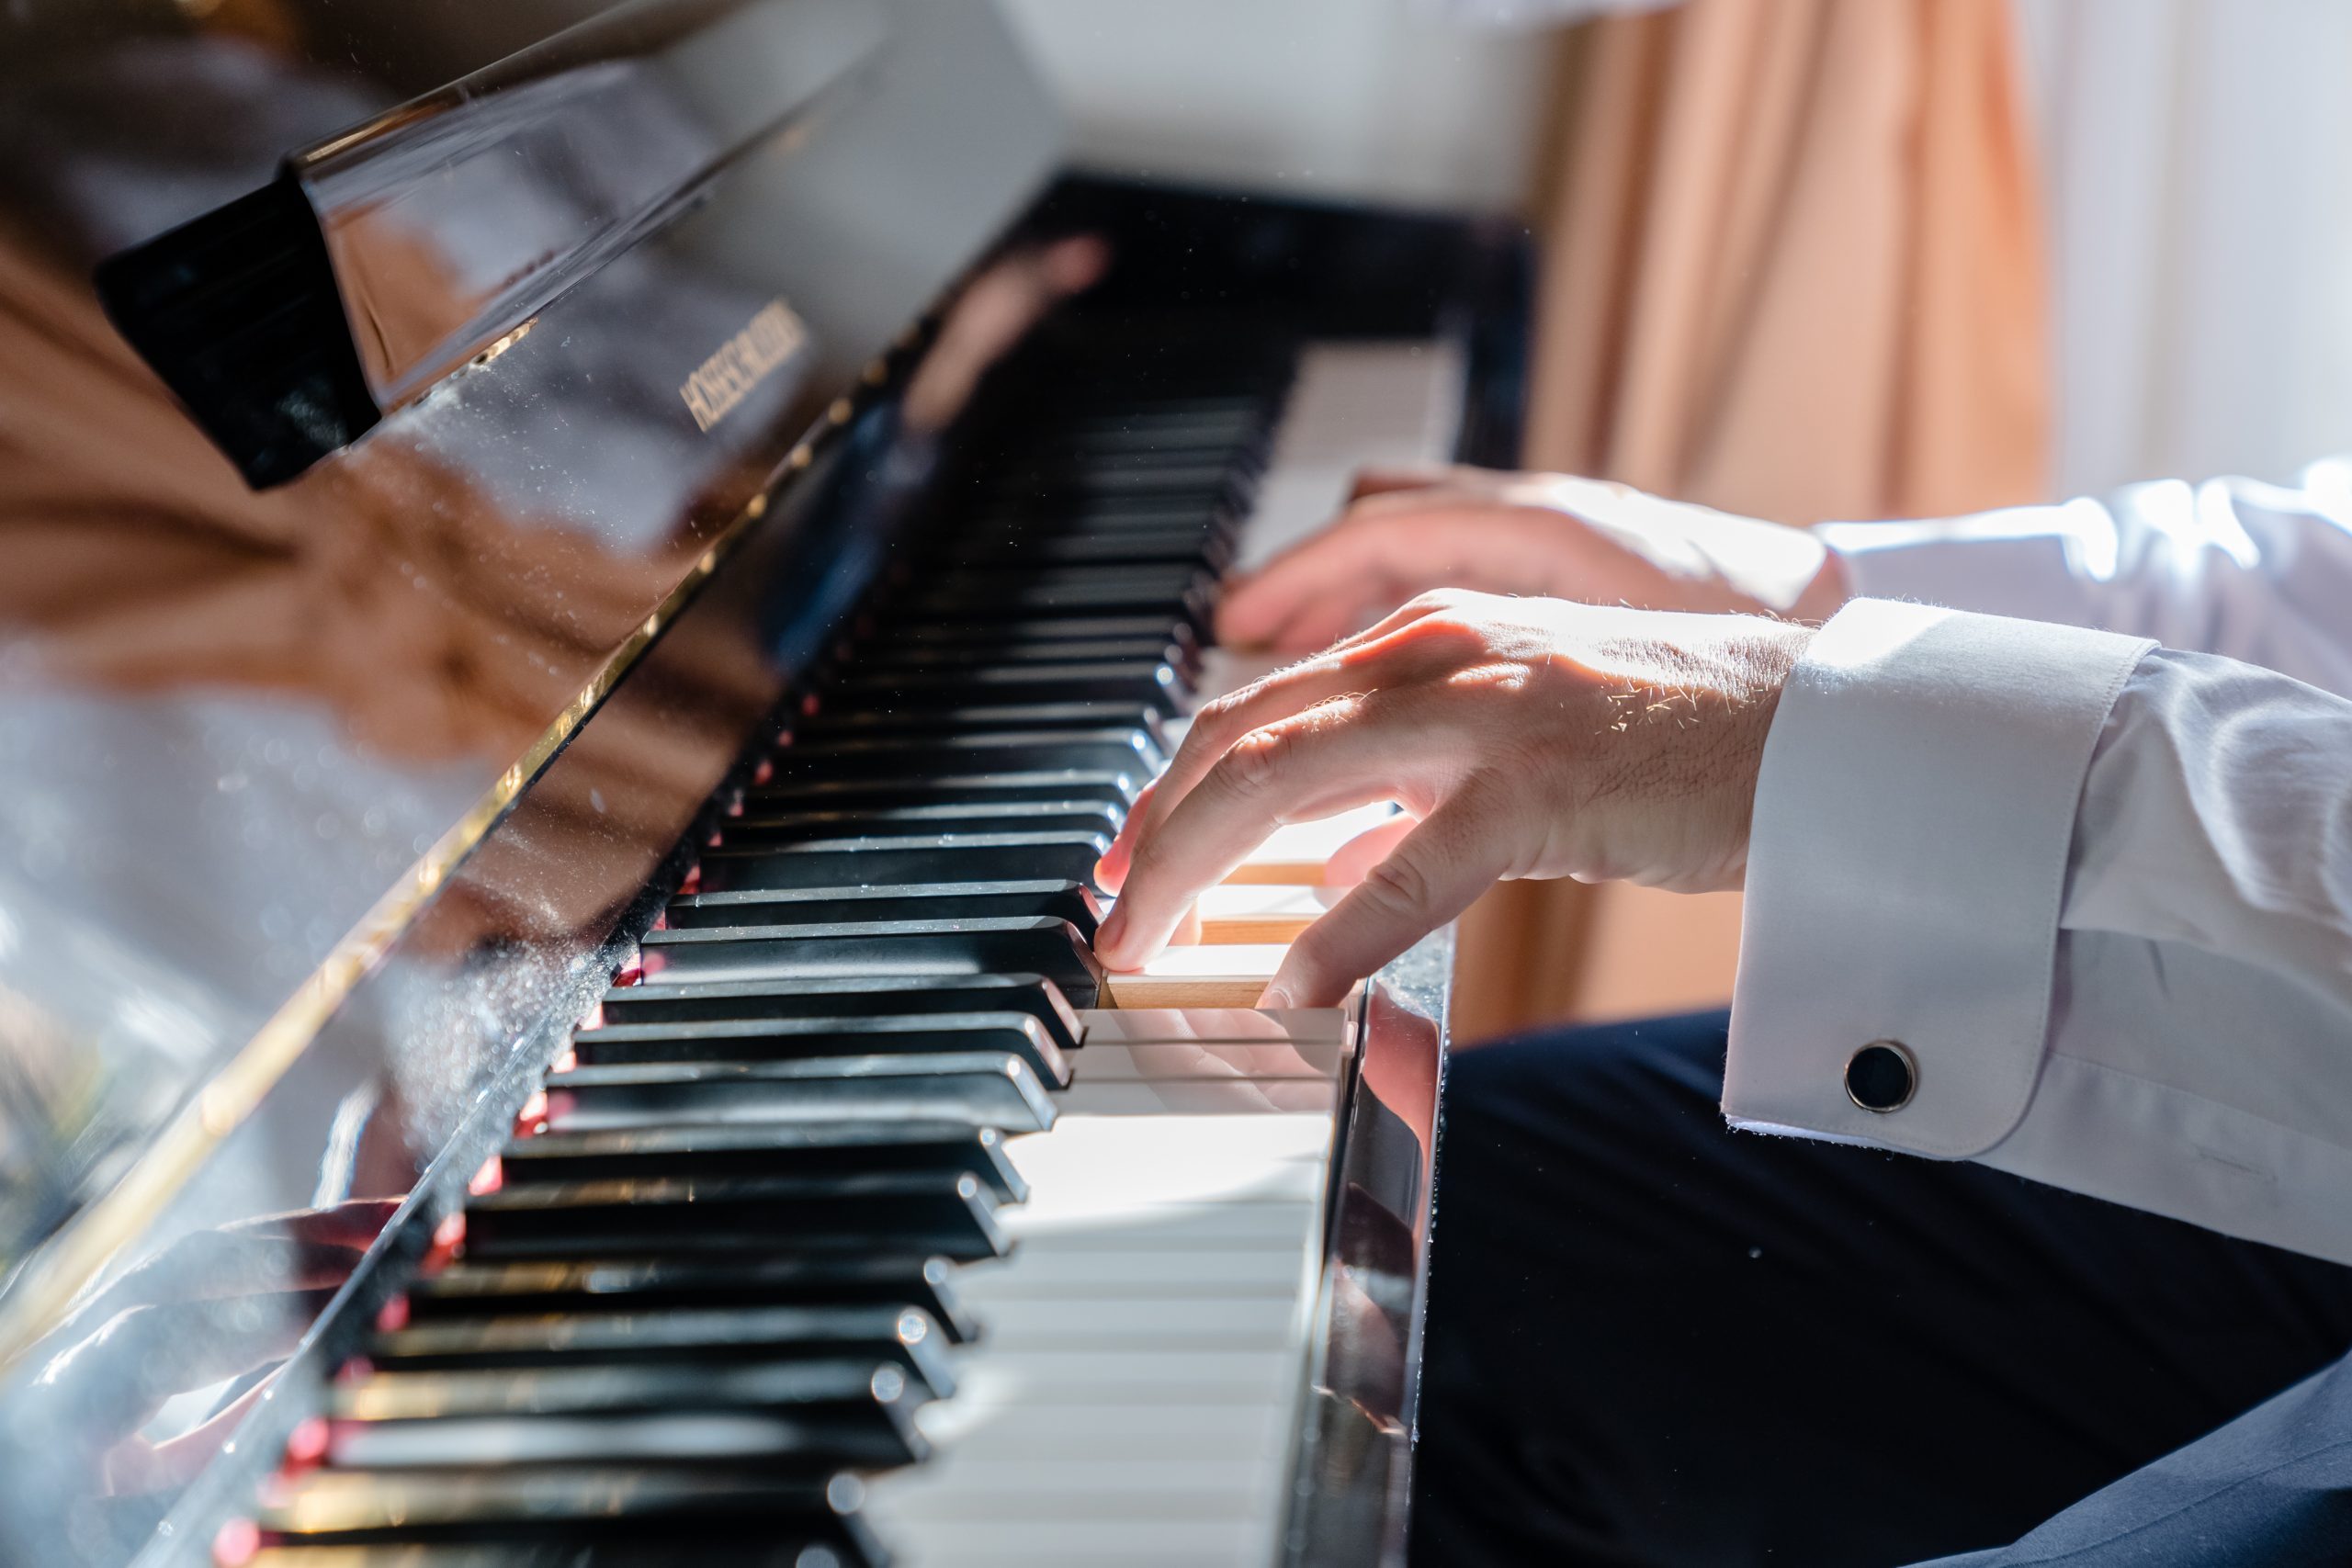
(1523, 737)
(1406, 533)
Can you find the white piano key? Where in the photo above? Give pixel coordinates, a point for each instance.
(973, 1488)
(1082, 1320)
(1195, 1538)
(1185, 1159)
(1234, 975)
(1267, 1222)
(1298, 852)
(1254, 912)
(1037, 1431)
(1185, 1061)
(1352, 405)
(1110, 1271)
(1237, 1025)
(1273, 1097)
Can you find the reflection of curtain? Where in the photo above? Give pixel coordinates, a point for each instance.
(1793, 269)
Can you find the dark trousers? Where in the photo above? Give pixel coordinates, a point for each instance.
(1653, 1341)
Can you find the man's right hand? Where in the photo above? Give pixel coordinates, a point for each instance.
(1406, 533)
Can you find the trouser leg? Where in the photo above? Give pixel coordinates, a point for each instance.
(2272, 1489)
(1653, 1341)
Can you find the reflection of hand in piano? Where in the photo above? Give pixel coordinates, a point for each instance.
(1532, 738)
(216, 1307)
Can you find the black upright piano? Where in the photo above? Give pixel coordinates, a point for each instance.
(582, 587)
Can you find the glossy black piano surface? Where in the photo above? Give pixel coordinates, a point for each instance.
(442, 448)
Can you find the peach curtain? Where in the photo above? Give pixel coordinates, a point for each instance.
(1792, 268)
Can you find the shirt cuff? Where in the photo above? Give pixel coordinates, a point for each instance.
(1908, 858)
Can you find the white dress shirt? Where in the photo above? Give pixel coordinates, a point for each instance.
(2099, 891)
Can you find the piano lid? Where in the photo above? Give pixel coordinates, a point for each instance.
(594, 294)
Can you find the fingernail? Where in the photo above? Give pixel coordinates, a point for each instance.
(1275, 997)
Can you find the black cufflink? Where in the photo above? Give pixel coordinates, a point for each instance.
(1881, 1076)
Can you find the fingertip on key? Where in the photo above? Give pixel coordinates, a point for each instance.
(1108, 935)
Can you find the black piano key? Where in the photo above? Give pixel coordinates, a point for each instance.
(808, 1414)
(895, 1335)
(928, 901)
(1203, 467)
(789, 1148)
(915, 721)
(471, 1289)
(1083, 482)
(972, 594)
(923, 656)
(779, 1550)
(951, 1214)
(1154, 684)
(1195, 545)
(1218, 521)
(1235, 423)
(957, 817)
(864, 996)
(1105, 785)
(993, 632)
(1052, 948)
(936, 857)
(987, 1089)
(1128, 751)
(780, 1039)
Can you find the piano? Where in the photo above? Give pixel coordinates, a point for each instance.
(586, 584)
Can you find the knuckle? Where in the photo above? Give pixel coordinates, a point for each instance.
(1257, 760)
(1220, 710)
(1398, 886)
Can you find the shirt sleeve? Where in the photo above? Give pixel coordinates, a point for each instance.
(2095, 897)
(2259, 572)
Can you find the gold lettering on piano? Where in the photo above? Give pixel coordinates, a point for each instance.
(742, 362)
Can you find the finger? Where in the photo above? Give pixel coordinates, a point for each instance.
(1291, 690)
(1386, 549)
(1375, 658)
(1315, 764)
(1435, 874)
(1386, 480)
(1357, 664)
(1312, 592)
(1353, 860)
(1112, 869)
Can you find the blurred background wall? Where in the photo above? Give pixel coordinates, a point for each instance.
(1349, 97)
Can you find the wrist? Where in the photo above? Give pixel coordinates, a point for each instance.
(1771, 652)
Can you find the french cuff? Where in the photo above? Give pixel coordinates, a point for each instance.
(1908, 858)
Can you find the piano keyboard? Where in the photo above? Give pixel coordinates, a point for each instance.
(871, 1221)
